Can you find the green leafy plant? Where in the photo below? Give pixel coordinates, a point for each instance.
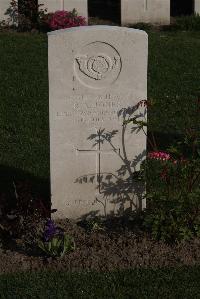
(183, 23)
(141, 26)
(95, 224)
(26, 15)
(56, 243)
(173, 186)
(174, 197)
(57, 246)
(191, 23)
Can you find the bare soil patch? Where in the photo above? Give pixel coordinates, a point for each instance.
(115, 247)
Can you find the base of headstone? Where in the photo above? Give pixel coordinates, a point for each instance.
(197, 6)
(4, 5)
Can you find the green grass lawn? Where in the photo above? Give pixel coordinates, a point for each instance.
(139, 283)
(24, 103)
(24, 141)
(173, 79)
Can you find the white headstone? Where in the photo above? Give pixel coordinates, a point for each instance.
(146, 11)
(4, 5)
(197, 6)
(54, 5)
(94, 73)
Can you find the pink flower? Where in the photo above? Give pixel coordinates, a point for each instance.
(159, 156)
(65, 19)
(165, 157)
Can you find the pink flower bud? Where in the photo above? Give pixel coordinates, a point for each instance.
(159, 156)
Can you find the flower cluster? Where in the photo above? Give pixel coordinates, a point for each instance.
(182, 160)
(51, 230)
(159, 156)
(65, 19)
(165, 157)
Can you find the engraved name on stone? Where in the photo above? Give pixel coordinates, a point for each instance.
(86, 108)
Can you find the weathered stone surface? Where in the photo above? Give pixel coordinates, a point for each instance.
(95, 74)
(4, 5)
(197, 6)
(54, 5)
(146, 11)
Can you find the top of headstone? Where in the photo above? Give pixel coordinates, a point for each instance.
(95, 27)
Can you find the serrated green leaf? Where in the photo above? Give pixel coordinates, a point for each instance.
(41, 245)
(54, 242)
(58, 243)
(49, 246)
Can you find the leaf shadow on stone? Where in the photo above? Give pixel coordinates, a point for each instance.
(122, 187)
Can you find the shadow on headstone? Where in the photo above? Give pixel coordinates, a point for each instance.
(124, 188)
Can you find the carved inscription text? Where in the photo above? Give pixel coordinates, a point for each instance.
(91, 109)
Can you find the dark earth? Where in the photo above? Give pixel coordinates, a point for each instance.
(100, 244)
(116, 246)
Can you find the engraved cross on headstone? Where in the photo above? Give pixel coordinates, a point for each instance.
(98, 152)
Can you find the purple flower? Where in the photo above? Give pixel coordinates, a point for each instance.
(51, 230)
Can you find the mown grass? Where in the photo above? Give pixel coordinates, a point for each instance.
(139, 283)
(24, 103)
(173, 78)
(24, 133)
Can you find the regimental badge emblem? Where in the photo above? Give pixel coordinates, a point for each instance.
(98, 65)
